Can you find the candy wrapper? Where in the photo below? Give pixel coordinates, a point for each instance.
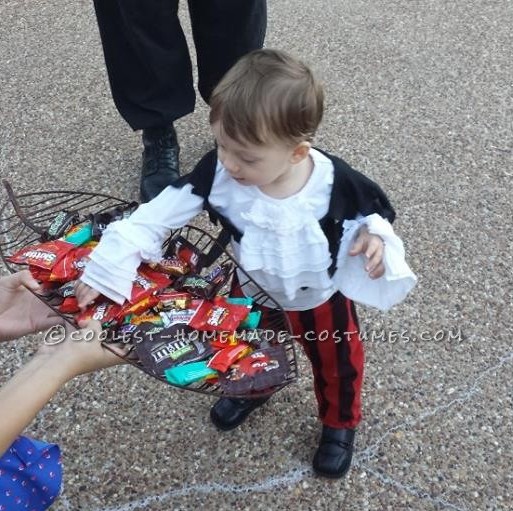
(147, 283)
(257, 371)
(189, 373)
(100, 221)
(177, 327)
(40, 274)
(219, 315)
(69, 305)
(224, 358)
(161, 349)
(186, 252)
(171, 266)
(71, 266)
(104, 312)
(204, 287)
(173, 300)
(138, 308)
(44, 255)
(173, 317)
(60, 224)
(80, 234)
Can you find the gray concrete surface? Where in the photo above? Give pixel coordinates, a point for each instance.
(419, 97)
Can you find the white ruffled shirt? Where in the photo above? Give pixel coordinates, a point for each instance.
(283, 247)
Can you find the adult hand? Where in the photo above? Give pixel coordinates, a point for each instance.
(80, 351)
(21, 312)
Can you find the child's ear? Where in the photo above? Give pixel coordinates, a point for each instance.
(300, 152)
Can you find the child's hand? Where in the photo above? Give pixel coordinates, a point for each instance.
(373, 247)
(85, 294)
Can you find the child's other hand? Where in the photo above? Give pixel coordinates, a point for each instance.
(373, 248)
(85, 294)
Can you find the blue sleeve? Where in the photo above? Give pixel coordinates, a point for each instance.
(30, 475)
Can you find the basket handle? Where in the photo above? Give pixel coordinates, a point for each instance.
(18, 208)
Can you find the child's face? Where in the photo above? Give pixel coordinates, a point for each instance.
(249, 164)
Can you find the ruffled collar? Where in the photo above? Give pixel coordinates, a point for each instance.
(283, 246)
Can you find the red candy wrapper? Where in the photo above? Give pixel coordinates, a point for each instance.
(44, 255)
(224, 358)
(138, 308)
(185, 251)
(147, 282)
(69, 305)
(219, 315)
(71, 266)
(39, 274)
(258, 371)
(104, 312)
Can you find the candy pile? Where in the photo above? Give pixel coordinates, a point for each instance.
(180, 328)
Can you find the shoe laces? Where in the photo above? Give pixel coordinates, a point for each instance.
(166, 153)
(163, 152)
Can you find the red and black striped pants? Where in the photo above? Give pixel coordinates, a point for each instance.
(330, 338)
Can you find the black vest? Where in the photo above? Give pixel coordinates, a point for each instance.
(352, 194)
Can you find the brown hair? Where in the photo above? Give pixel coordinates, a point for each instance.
(268, 94)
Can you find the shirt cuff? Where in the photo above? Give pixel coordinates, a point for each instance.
(105, 283)
(352, 279)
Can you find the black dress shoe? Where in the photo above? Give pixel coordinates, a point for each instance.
(333, 457)
(160, 165)
(229, 413)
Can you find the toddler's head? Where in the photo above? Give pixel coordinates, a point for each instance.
(268, 97)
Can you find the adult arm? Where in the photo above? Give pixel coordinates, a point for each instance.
(27, 392)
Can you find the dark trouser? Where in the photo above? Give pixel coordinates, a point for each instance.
(148, 61)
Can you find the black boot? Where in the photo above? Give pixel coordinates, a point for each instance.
(333, 457)
(229, 413)
(160, 164)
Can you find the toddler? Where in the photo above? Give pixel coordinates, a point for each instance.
(313, 232)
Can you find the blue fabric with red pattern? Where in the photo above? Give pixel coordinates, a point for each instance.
(30, 475)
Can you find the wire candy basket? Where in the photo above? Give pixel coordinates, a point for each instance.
(25, 218)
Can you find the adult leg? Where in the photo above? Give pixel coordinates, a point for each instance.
(224, 31)
(150, 73)
(147, 60)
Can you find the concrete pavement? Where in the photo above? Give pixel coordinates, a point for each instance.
(419, 98)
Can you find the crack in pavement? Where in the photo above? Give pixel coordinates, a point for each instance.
(465, 396)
